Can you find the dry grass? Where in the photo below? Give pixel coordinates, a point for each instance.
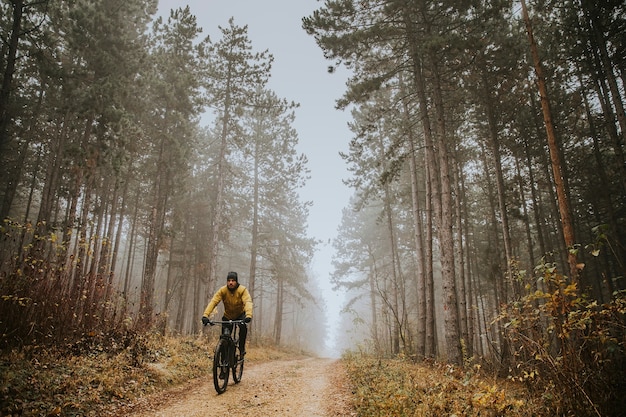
(93, 377)
(399, 387)
(92, 382)
(42, 382)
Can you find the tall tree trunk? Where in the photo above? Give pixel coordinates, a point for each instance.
(278, 320)
(429, 280)
(79, 282)
(395, 278)
(219, 196)
(96, 272)
(171, 285)
(432, 181)
(155, 235)
(537, 206)
(183, 302)
(146, 303)
(529, 236)
(555, 152)
(27, 220)
(174, 263)
(254, 246)
(440, 177)
(14, 178)
(52, 176)
(494, 145)
(67, 255)
(597, 35)
(604, 195)
(107, 254)
(444, 209)
(459, 256)
(600, 87)
(374, 310)
(199, 299)
(495, 265)
(131, 247)
(464, 229)
(9, 70)
(118, 236)
(418, 228)
(395, 275)
(180, 290)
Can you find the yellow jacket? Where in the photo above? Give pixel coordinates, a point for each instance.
(235, 303)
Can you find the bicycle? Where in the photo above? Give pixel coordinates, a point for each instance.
(227, 356)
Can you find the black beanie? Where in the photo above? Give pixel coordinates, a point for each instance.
(232, 275)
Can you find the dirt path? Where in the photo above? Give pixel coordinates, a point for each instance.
(309, 387)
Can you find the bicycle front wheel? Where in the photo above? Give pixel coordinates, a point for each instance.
(220, 366)
(238, 367)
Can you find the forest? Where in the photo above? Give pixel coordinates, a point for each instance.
(486, 224)
(121, 211)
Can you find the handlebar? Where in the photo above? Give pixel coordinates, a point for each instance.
(228, 321)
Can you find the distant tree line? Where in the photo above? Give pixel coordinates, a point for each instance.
(122, 208)
(487, 162)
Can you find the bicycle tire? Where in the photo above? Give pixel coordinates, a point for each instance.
(220, 366)
(238, 367)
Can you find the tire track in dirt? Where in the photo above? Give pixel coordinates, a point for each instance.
(301, 387)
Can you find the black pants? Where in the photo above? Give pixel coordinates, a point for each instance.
(243, 330)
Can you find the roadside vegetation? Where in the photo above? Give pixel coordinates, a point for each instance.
(576, 367)
(485, 228)
(402, 387)
(567, 359)
(99, 376)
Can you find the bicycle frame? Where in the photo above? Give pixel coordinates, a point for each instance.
(225, 358)
(230, 331)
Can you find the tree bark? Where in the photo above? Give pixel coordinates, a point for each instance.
(395, 275)
(418, 228)
(445, 225)
(494, 146)
(278, 319)
(156, 224)
(373, 310)
(219, 196)
(461, 283)
(254, 245)
(9, 70)
(555, 152)
(431, 182)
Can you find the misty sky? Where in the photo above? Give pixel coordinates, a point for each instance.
(299, 73)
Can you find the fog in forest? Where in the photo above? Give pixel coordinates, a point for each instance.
(417, 179)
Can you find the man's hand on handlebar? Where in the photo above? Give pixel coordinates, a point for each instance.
(206, 320)
(247, 319)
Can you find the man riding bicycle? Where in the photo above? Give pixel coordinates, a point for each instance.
(237, 306)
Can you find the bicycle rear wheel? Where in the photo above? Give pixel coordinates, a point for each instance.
(238, 368)
(220, 366)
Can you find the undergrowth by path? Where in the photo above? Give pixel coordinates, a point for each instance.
(91, 382)
(401, 387)
(38, 382)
